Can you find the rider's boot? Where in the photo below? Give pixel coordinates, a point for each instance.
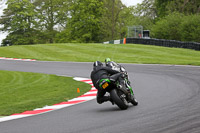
(105, 99)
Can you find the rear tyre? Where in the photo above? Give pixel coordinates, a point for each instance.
(119, 99)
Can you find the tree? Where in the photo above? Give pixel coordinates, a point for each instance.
(18, 19)
(51, 15)
(19, 37)
(125, 17)
(147, 8)
(168, 27)
(19, 15)
(165, 7)
(178, 20)
(144, 14)
(161, 7)
(84, 21)
(184, 6)
(190, 28)
(112, 22)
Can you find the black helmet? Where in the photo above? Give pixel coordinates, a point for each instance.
(112, 65)
(97, 63)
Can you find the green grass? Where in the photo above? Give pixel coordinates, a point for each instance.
(25, 91)
(81, 52)
(21, 91)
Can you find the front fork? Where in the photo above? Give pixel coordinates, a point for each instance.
(127, 84)
(126, 88)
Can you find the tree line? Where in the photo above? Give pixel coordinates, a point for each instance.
(177, 20)
(61, 21)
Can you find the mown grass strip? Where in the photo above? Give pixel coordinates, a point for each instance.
(82, 52)
(22, 91)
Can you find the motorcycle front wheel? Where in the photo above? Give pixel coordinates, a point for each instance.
(119, 99)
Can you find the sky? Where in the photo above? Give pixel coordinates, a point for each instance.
(131, 2)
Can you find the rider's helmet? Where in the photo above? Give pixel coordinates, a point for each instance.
(112, 64)
(97, 63)
(107, 60)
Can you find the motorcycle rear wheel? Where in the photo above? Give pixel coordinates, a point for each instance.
(119, 100)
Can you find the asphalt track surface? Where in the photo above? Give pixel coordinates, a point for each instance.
(169, 102)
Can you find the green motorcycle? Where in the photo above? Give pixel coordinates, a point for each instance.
(120, 90)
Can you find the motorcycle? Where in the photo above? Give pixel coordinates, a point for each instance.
(119, 88)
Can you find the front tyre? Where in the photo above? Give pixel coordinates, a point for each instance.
(119, 99)
(134, 101)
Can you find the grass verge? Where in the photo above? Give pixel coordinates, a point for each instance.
(81, 52)
(21, 91)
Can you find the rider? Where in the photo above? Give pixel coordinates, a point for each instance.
(101, 73)
(98, 74)
(113, 65)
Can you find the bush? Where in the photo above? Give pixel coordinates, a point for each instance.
(62, 37)
(168, 27)
(24, 37)
(177, 26)
(190, 28)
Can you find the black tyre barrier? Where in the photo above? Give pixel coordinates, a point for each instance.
(165, 43)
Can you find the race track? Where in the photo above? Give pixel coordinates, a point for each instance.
(169, 102)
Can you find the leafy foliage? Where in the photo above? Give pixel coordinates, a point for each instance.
(168, 27)
(25, 37)
(19, 20)
(143, 14)
(112, 19)
(190, 28)
(51, 21)
(161, 7)
(84, 23)
(51, 15)
(187, 7)
(18, 16)
(177, 26)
